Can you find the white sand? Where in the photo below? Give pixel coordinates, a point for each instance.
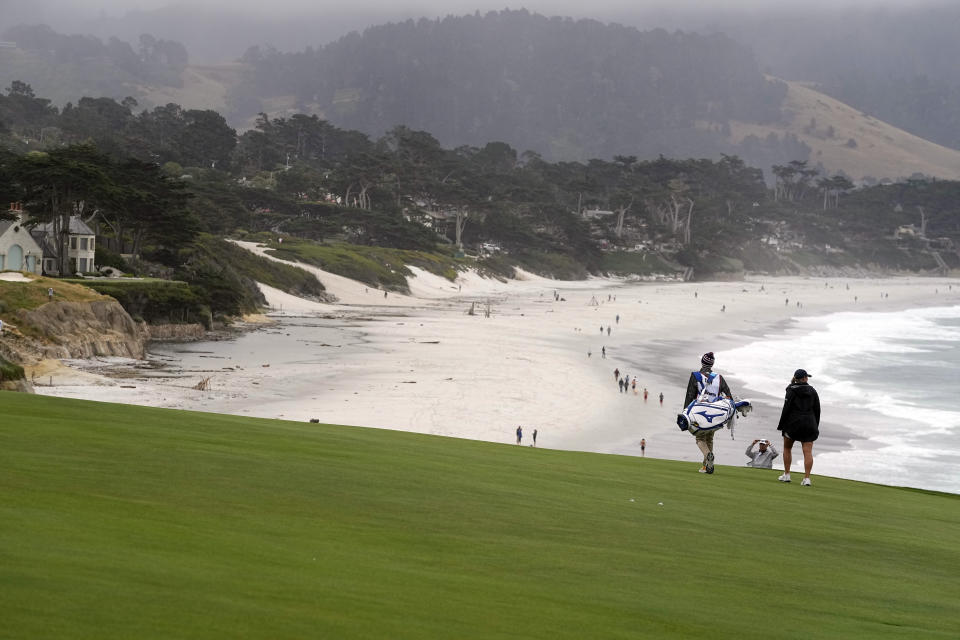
(420, 363)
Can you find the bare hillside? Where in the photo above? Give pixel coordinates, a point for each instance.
(845, 139)
(204, 87)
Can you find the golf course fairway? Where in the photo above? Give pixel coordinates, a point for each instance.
(119, 521)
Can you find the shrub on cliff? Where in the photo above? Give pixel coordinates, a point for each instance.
(155, 301)
(292, 280)
(10, 371)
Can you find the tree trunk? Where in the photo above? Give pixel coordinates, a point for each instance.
(460, 225)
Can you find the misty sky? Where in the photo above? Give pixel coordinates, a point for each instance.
(221, 30)
(435, 7)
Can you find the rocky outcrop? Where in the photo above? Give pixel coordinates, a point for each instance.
(21, 385)
(81, 330)
(175, 332)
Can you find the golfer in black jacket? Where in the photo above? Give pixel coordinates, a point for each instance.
(799, 421)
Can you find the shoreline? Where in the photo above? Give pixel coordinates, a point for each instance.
(425, 365)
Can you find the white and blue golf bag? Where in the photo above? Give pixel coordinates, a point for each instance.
(711, 411)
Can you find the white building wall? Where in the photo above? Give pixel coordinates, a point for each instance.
(17, 245)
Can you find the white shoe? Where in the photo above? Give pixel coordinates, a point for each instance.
(805, 482)
(784, 478)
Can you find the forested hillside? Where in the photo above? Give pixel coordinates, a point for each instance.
(566, 89)
(165, 184)
(62, 66)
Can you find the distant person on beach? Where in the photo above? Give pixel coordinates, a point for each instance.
(706, 380)
(608, 329)
(763, 458)
(603, 350)
(620, 384)
(616, 373)
(661, 398)
(634, 385)
(534, 437)
(799, 421)
(643, 447)
(519, 434)
(618, 318)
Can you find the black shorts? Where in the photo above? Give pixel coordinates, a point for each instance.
(802, 434)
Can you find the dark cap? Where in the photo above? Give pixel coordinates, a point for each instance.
(801, 373)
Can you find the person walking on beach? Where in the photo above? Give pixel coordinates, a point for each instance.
(644, 394)
(519, 434)
(661, 398)
(618, 318)
(616, 373)
(603, 350)
(634, 384)
(706, 380)
(643, 447)
(799, 421)
(608, 329)
(762, 459)
(620, 384)
(534, 437)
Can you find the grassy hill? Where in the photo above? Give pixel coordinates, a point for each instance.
(123, 522)
(204, 87)
(878, 149)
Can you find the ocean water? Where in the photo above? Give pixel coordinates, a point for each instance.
(890, 382)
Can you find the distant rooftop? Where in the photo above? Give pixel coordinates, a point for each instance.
(77, 227)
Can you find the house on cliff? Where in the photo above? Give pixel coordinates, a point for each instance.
(81, 247)
(19, 250)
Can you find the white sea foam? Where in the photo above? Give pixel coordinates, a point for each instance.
(888, 377)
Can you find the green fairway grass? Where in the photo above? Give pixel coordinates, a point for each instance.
(129, 522)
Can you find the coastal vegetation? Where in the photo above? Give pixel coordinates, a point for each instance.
(209, 525)
(376, 266)
(152, 300)
(16, 296)
(10, 370)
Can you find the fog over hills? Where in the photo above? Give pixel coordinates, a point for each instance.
(892, 61)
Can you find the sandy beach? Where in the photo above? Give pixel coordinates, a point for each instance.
(421, 363)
